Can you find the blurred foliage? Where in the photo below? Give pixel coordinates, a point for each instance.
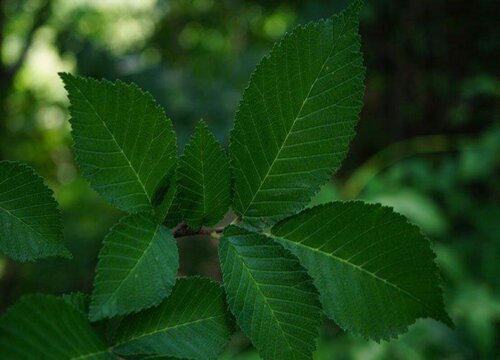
(428, 143)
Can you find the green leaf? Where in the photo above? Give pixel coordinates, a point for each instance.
(204, 179)
(78, 300)
(297, 118)
(153, 357)
(174, 215)
(30, 223)
(163, 211)
(124, 143)
(137, 268)
(192, 323)
(42, 327)
(375, 272)
(270, 294)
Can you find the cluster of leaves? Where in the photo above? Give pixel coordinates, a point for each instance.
(363, 265)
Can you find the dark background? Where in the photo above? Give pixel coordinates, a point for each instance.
(428, 142)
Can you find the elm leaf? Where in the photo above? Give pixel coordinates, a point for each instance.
(42, 327)
(270, 294)
(375, 272)
(30, 223)
(124, 143)
(193, 323)
(204, 179)
(297, 118)
(137, 268)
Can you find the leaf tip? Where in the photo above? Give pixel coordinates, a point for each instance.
(94, 313)
(202, 123)
(65, 77)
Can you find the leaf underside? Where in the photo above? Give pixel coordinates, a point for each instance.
(270, 294)
(42, 327)
(375, 272)
(124, 143)
(204, 179)
(297, 118)
(30, 223)
(137, 268)
(193, 323)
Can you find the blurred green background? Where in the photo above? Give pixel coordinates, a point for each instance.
(428, 142)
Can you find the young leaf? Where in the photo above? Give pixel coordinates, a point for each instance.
(30, 223)
(270, 294)
(48, 328)
(124, 143)
(192, 323)
(204, 179)
(297, 118)
(375, 272)
(137, 268)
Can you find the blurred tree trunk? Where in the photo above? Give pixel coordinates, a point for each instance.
(3, 68)
(8, 72)
(3, 76)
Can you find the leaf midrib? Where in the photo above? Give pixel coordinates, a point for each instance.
(113, 294)
(357, 267)
(204, 196)
(29, 227)
(283, 332)
(293, 125)
(114, 140)
(80, 357)
(167, 329)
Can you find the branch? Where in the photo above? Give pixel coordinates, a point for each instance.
(41, 16)
(183, 230)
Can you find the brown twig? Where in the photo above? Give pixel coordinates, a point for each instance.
(183, 230)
